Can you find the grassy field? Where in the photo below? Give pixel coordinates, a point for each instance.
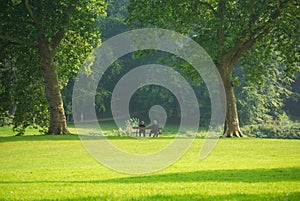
(59, 168)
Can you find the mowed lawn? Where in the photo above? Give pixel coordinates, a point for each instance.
(59, 168)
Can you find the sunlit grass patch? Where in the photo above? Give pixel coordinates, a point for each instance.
(59, 168)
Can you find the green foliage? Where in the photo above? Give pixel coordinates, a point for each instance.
(69, 29)
(6, 119)
(284, 128)
(273, 131)
(23, 94)
(132, 122)
(81, 38)
(261, 101)
(263, 36)
(114, 22)
(235, 18)
(292, 103)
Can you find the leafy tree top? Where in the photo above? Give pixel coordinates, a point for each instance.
(229, 29)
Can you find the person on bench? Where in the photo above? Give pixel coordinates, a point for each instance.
(142, 129)
(154, 129)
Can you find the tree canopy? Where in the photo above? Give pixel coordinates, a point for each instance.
(250, 32)
(254, 44)
(53, 38)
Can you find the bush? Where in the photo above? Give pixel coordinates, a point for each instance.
(286, 130)
(132, 122)
(5, 119)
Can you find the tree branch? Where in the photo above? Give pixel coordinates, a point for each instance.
(17, 40)
(65, 20)
(58, 37)
(254, 35)
(2, 49)
(221, 29)
(209, 6)
(263, 30)
(30, 11)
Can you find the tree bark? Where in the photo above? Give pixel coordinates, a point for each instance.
(58, 123)
(231, 125)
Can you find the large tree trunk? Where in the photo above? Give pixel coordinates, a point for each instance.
(231, 126)
(58, 123)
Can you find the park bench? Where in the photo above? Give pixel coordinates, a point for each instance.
(136, 130)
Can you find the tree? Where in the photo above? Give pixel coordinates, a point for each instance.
(260, 103)
(292, 104)
(60, 34)
(22, 95)
(113, 24)
(229, 31)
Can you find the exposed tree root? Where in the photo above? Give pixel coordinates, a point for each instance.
(58, 131)
(233, 133)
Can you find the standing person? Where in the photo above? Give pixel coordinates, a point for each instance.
(142, 129)
(154, 129)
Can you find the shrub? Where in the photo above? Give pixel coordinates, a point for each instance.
(6, 119)
(284, 130)
(132, 122)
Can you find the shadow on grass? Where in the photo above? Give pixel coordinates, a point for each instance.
(276, 196)
(244, 175)
(191, 197)
(69, 137)
(234, 175)
(38, 138)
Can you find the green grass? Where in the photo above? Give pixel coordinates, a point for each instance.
(59, 168)
(109, 128)
(8, 131)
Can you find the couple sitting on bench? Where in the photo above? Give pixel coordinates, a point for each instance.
(155, 130)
